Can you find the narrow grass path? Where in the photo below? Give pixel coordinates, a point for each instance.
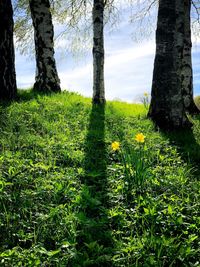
(68, 199)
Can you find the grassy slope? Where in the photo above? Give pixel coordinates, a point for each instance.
(66, 200)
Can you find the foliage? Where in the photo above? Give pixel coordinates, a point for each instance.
(23, 29)
(197, 101)
(68, 199)
(72, 24)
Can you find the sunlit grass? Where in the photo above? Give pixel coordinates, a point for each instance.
(126, 109)
(79, 187)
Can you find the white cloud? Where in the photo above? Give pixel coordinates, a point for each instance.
(127, 73)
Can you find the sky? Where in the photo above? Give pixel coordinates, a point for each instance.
(128, 66)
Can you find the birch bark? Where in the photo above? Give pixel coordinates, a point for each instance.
(167, 107)
(47, 79)
(187, 73)
(8, 87)
(98, 52)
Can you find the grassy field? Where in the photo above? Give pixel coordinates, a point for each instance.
(70, 198)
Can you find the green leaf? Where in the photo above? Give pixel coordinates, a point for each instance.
(146, 211)
(170, 210)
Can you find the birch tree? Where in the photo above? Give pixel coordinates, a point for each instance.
(47, 79)
(146, 10)
(167, 108)
(98, 51)
(8, 88)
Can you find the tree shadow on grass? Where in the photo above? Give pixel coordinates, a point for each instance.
(187, 144)
(23, 96)
(27, 95)
(94, 242)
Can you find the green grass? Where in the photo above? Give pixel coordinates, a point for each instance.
(67, 199)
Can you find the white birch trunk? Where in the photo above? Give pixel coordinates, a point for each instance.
(46, 73)
(167, 108)
(98, 52)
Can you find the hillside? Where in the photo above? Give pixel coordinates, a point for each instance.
(70, 196)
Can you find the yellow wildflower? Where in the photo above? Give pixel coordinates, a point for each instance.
(115, 146)
(140, 138)
(146, 94)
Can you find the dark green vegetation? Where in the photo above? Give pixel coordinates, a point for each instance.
(67, 199)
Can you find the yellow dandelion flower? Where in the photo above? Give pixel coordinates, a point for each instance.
(140, 138)
(146, 94)
(115, 146)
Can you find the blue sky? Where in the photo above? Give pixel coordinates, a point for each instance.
(128, 66)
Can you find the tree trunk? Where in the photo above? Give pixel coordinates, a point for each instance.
(98, 52)
(167, 108)
(46, 73)
(8, 87)
(187, 73)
